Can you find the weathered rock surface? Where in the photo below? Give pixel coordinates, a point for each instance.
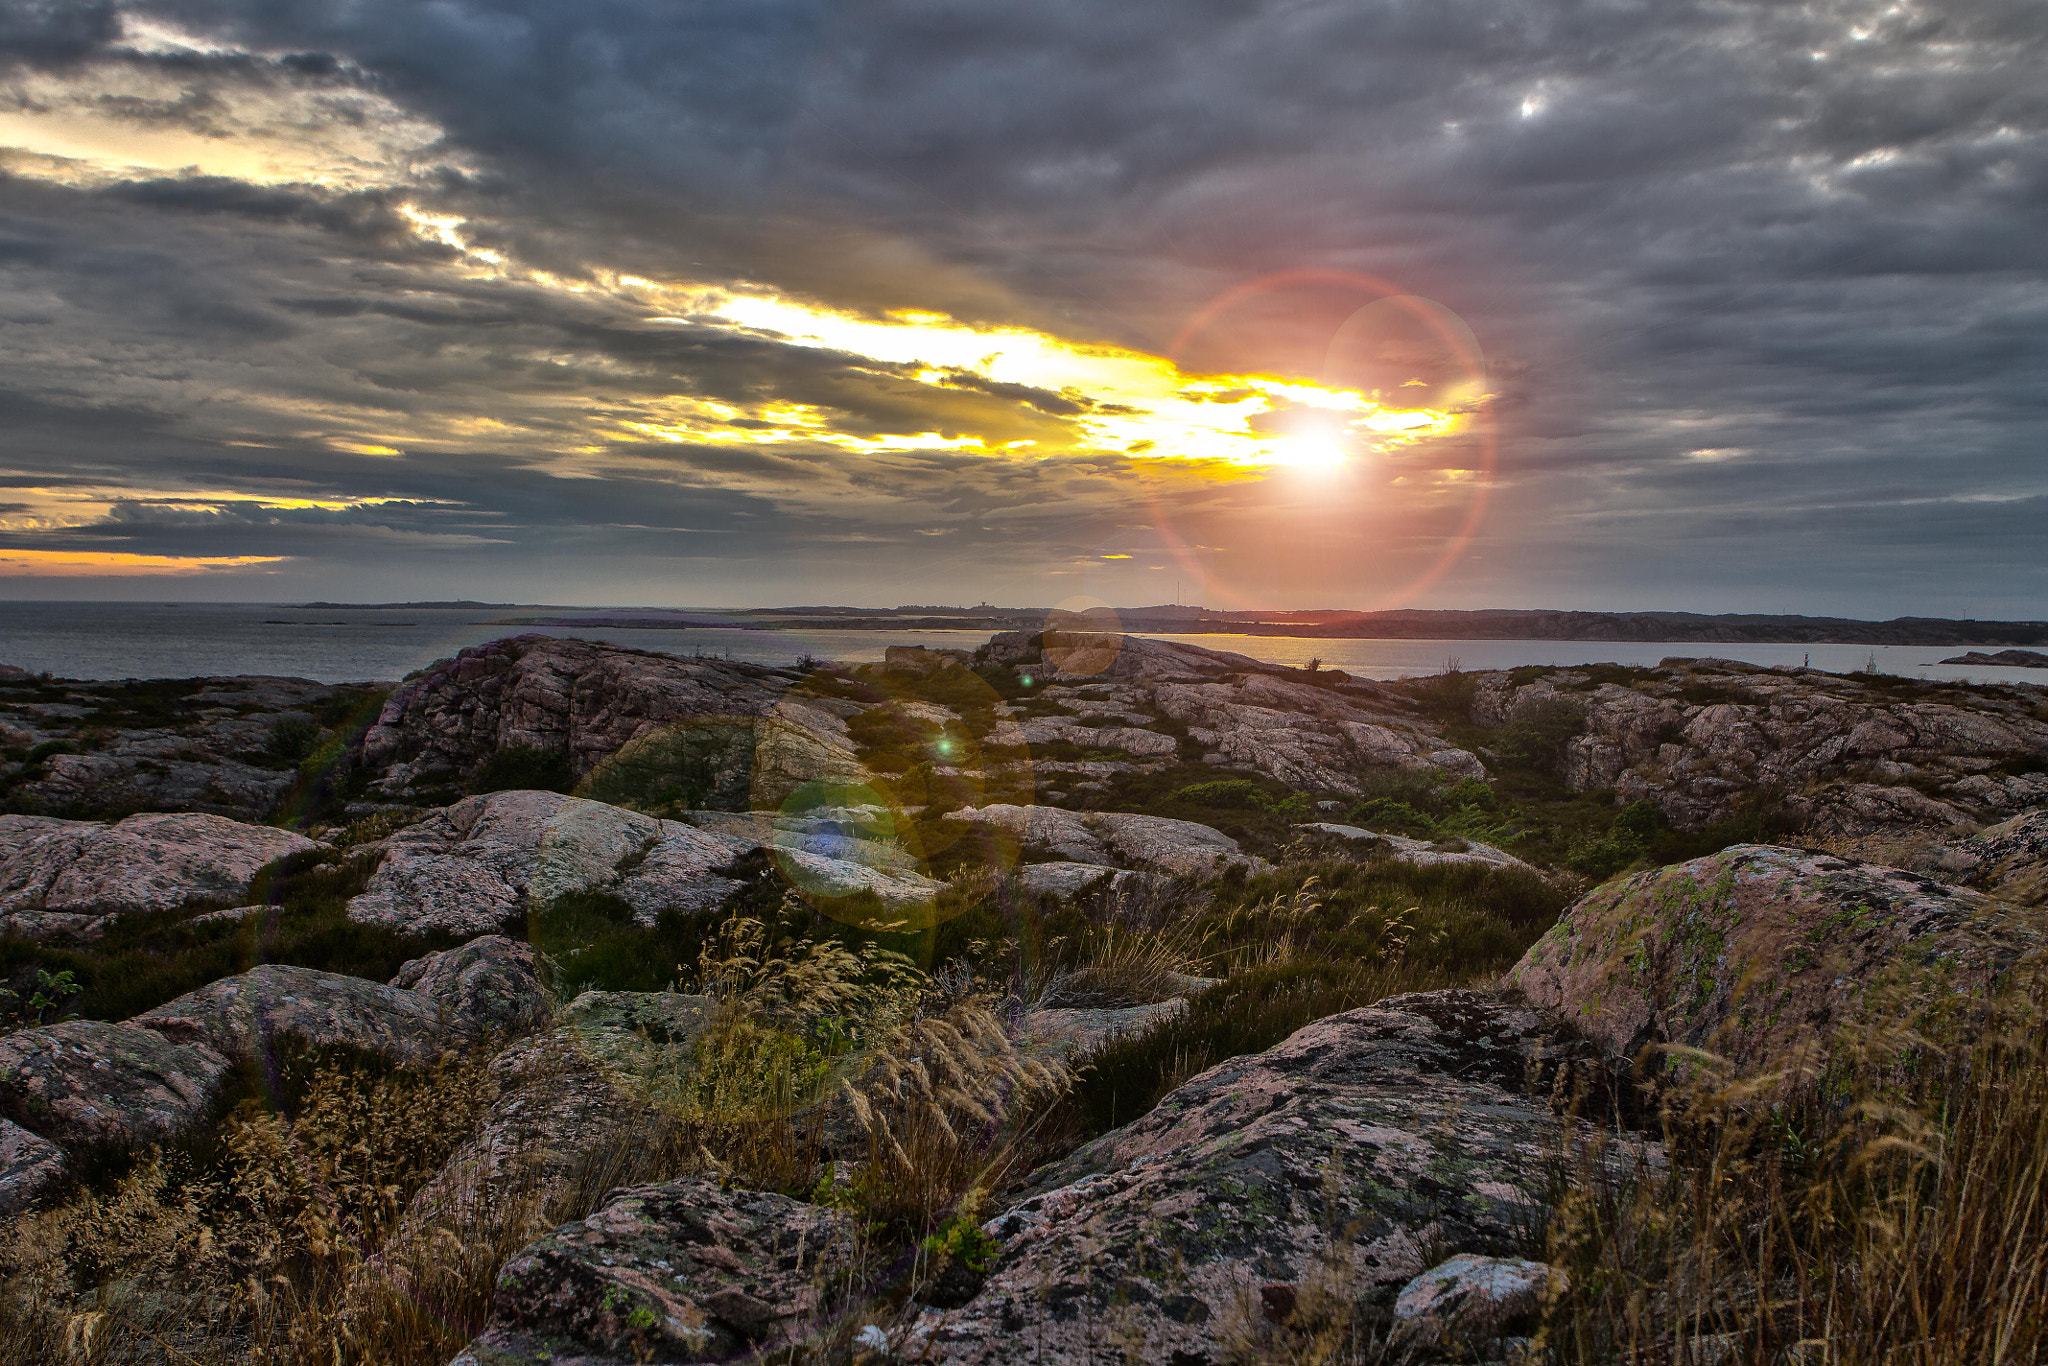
(1849, 753)
(2010, 859)
(1471, 1300)
(1318, 732)
(1063, 880)
(1114, 838)
(681, 1271)
(1058, 1033)
(193, 744)
(60, 877)
(574, 698)
(160, 1074)
(1422, 853)
(1760, 953)
(30, 1167)
(89, 1082)
(1401, 1126)
(474, 867)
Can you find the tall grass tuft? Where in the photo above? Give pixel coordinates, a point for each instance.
(1891, 1212)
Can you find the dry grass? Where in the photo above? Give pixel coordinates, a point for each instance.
(270, 1247)
(1891, 1213)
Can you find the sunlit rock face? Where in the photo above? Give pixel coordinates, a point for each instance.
(1387, 1137)
(1318, 732)
(65, 878)
(1841, 754)
(480, 865)
(1765, 956)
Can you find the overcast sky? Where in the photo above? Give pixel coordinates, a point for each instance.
(1720, 306)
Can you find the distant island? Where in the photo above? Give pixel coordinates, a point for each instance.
(2004, 659)
(1403, 624)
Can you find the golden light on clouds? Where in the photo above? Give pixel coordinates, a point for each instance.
(1107, 399)
(47, 564)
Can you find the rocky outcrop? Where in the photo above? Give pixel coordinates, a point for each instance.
(472, 868)
(231, 746)
(1846, 753)
(30, 1167)
(1114, 838)
(2010, 859)
(1762, 954)
(1366, 1146)
(1320, 732)
(63, 878)
(159, 1075)
(572, 698)
(477, 866)
(681, 1271)
(1421, 853)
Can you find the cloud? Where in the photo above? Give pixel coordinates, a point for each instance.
(1803, 233)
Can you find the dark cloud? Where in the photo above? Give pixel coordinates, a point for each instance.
(1759, 286)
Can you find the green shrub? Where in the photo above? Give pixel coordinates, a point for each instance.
(519, 767)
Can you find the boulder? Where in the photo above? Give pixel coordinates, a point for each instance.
(554, 1133)
(1374, 1142)
(189, 744)
(1422, 853)
(1063, 880)
(632, 1031)
(95, 1084)
(2010, 859)
(1320, 732)
(680, 1271)
(1762, 954)
(1855, 753)
(473, 867)
(31, 1167)
(60, 877)
(1153, 843)
(1058, 1033)
(573, 698)
(1472, 1300)
(160, 1075)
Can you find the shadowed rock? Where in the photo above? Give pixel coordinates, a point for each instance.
(161, 1074)
(61, 877)
(1153, 843)
(1470, 1300)
(572, 698)
(1365, 1145)
(681, 1271)
(1758, 953)
(1702, 737)
(30, 1167)
(1421, 853)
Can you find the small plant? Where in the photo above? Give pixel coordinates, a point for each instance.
(52, 990)
(961, 1240)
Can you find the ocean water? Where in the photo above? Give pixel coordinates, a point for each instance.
(336, 645)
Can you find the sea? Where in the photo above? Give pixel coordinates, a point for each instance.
(105, 640)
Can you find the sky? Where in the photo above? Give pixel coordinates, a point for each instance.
(1714, 305)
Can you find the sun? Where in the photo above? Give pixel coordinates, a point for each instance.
(1312, 451)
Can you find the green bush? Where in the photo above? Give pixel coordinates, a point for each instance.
(519, 767)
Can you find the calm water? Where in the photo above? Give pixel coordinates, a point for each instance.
(183, 640)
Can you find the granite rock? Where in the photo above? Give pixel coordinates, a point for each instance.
(64, 878)
(1762, 954)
